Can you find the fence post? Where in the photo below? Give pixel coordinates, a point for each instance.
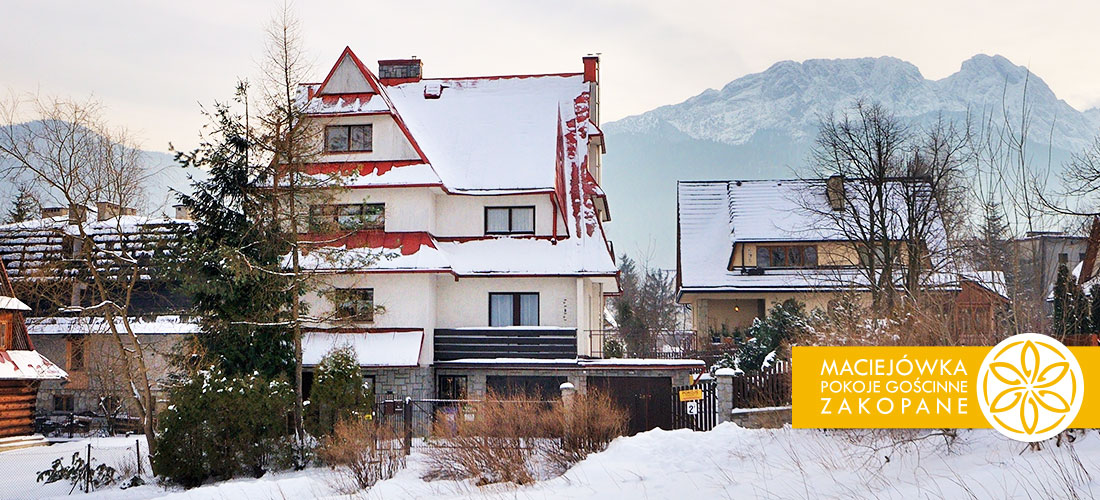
(725, 393)
(568, 391)
(88, 470)
(137, 452)
(406, 412)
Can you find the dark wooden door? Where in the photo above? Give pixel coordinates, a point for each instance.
(647, 400)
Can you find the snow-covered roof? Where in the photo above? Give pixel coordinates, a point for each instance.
(485, 134)
(157, 325)
(993, 281)
(485, 256)
(371, 349)
(28, 365)
(12, 304)
(715, 215)
(649, 363)
(36, 249)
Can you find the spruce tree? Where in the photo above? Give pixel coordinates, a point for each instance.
(232, 259)
(990, 253)
(1062, 307)
(24, 207)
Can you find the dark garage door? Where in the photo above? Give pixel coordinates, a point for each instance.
(648, 400)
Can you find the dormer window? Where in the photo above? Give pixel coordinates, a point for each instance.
(348, 138)
(509, 220)
(788, 256)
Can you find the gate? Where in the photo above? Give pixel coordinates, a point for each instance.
(696, 414)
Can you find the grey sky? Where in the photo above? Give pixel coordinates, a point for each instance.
(151, 63)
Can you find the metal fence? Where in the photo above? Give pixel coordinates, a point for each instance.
(665, 344)
(417, 421)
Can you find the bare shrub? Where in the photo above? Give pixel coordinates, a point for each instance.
(584, 427)
(496, 445)
(365, 451)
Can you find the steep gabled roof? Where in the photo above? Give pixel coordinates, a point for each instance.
(713, 216)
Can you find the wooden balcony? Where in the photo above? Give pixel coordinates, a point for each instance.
(505, 342)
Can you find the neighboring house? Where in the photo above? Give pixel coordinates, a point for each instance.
(40, 257)
(22, 369)
(1040, 254)
(745, 246)
(983, 308)
(482, 196)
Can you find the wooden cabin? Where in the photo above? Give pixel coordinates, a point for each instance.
(22, 369)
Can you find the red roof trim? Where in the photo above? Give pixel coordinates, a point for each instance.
(378, 167)
(502, 77)
(371, 79)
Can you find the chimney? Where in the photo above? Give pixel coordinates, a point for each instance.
(51, 212)
(397, 71)
(107, 210)
(834, 192)
(182, 212)
(591, 68)
(592, 78)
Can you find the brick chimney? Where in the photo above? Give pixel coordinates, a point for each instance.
(51, 212)
(107, 210)
(592, 78)
(834, 192)
(397, 71)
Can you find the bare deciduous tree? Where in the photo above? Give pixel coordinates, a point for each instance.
(64, 148)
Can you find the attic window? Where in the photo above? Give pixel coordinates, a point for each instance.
(348, 138)
(788, 256)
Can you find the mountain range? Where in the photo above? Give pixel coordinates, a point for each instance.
(763, 125)
(164, 177)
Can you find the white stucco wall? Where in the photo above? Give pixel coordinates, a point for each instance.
(407, 209)
(388, 142)
(465, 303)
(465, 215)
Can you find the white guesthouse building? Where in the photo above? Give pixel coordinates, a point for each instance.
(484, 195)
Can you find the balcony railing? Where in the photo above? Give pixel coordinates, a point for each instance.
(505, 342)
(665, 344)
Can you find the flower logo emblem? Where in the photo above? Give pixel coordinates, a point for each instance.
(1030, 387)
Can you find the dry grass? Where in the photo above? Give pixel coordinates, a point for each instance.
(511, 440)
(365, 451)
(590, 423)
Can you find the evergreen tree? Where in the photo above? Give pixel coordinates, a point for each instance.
(1061, 299)
(1072, 311)
(25, 205)
(231, 260)
(991, 253)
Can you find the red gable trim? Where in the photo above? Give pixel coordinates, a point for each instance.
(371, 79)
(360, 167)
(502, 77)
(407, 243)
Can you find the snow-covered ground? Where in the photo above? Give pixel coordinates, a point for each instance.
(728, 462)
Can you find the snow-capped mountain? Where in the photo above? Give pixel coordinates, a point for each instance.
(763, 126)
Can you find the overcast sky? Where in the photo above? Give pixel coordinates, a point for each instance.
(151, 63)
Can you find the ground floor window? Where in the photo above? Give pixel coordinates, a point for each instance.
(63, 403)
(452, 387)
(513, 309)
